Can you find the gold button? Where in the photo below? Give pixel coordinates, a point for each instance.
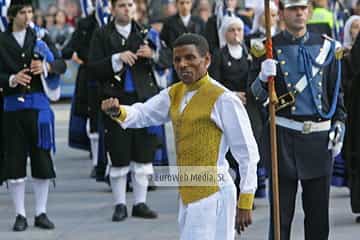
(279, 51)
(23, 55)
(289, 85)
(286, 74)
(293, 108)
(282, 62)
(321, 49)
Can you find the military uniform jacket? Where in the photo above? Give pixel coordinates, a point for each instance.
(14, 58)
(174, 28)
(107, 41)
(302, 156)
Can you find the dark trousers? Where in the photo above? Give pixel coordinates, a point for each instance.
(315, 203)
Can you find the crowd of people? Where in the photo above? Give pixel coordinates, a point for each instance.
(201, 65)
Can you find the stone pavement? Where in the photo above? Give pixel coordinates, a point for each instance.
(82, 208)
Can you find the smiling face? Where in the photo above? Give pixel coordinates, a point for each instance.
(190, 66)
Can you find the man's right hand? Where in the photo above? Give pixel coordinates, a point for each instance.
(23, 77)
(268, 69)
(128, 57)
(111, 107)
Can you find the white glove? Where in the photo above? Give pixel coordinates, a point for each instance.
(336, 138)
(268, 69)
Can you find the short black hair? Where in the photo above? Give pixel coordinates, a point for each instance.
(16, 6)
(199, 41)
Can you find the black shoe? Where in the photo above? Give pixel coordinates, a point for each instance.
(20, 224)
(357, 219)
(141, 210)
(42, 221)
(93, 172)
(120, 213)
(151, 188)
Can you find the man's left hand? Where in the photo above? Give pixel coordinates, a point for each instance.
(243, 219)
(144, 51)
(36, 67)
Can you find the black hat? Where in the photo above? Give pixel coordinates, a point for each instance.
(17, 5)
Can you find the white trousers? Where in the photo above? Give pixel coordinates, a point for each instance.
(211, 218)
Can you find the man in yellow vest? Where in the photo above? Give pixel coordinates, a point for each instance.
(208, 119)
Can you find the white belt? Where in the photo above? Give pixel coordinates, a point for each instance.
(304, 127)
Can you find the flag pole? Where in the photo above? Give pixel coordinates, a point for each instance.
(273, 100)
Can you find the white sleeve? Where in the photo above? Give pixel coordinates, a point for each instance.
(231, 117)
(154, 111)
(116, 63)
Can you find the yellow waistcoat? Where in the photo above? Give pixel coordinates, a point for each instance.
(197, 138)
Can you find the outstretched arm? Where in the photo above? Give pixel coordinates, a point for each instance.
(155, 111)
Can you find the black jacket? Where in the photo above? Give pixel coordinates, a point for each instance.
(80, 43)
(174, 28)
(105, 42)
(231, 72)
(14, 58)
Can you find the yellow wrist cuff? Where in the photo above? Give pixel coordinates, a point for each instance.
(246, 201)
(122, 114)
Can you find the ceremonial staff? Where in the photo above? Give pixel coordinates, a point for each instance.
(273, 102)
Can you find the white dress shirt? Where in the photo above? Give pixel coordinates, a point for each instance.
(116, 62)
(229, 114)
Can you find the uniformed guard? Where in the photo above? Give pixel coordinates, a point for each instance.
(122, 59)
(310, 117)
(29, 75)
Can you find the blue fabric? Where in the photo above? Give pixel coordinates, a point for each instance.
(339, 177)
(3, 18)
(309, 61)
(129, 86)
(46, 119)
(294, 67)
(84, 7)
(102, 13)
(41, 48)
(153, 37)
(78, 138)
